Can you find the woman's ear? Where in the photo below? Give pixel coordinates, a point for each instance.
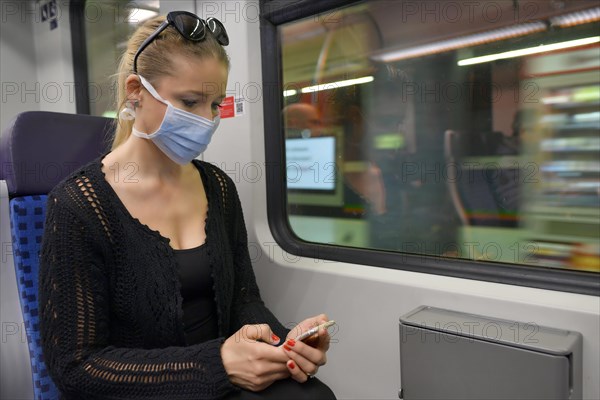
(133, 87)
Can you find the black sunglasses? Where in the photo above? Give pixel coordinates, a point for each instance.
(190, 26)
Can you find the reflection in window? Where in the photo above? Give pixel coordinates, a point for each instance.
(108, 25)
(450, 133)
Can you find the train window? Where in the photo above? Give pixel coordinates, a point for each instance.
(108, 25)
(440, 132)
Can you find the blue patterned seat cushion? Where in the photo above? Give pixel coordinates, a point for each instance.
(27, 227)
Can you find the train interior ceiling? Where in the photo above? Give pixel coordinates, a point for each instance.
(442, 172)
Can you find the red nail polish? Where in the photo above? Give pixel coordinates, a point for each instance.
(292, 365)
(275, 337)
(285, 346)
(291, 342)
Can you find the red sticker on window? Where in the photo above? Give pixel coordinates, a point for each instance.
(227, 108)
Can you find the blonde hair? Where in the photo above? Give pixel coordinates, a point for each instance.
(155, 61)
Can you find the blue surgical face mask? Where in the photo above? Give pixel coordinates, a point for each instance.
(182, 136)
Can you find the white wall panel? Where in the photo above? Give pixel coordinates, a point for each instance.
(231, 146)
(55, 62)
(36, 63)
(176, 5)
(18, 72)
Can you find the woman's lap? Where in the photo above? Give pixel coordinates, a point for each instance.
(313, 389)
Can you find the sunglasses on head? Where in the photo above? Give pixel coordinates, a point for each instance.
(190, 26)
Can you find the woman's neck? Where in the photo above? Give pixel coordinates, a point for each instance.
(146, 159)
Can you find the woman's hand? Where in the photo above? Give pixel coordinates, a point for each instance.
(251, 361)
(307, 356)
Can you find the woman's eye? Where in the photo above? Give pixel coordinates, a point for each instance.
(189, 103)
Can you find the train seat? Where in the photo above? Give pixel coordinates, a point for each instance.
(38, 150)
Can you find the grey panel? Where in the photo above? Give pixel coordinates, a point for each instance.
(527, 335)
(450, 355)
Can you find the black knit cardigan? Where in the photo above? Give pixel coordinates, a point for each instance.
(110, 300)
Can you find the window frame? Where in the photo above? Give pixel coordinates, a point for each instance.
(274, 13)
(79, 51)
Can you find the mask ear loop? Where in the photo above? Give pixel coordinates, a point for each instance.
(152, 91)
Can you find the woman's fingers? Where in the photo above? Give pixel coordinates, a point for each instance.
(261, 382)
(271, 371)
(264, 363)
(314, 355)
(249, 362)
(296, 372)
(261, 332)
(307, 358)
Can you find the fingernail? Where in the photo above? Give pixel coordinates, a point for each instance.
(291, 342)
(285, 346)
(292, 365)
(275, 338)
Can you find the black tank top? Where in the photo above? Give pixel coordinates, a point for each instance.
(199, 307)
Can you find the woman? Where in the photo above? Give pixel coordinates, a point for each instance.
(146, 286)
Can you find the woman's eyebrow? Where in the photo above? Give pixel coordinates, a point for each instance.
(194, 92)
(202, 94)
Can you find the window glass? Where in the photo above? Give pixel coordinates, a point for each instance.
(108, 26)
(453, 129)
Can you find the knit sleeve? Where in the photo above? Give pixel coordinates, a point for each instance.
(248, 307)
(75, 327)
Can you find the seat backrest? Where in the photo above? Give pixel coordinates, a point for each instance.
(38, 150)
